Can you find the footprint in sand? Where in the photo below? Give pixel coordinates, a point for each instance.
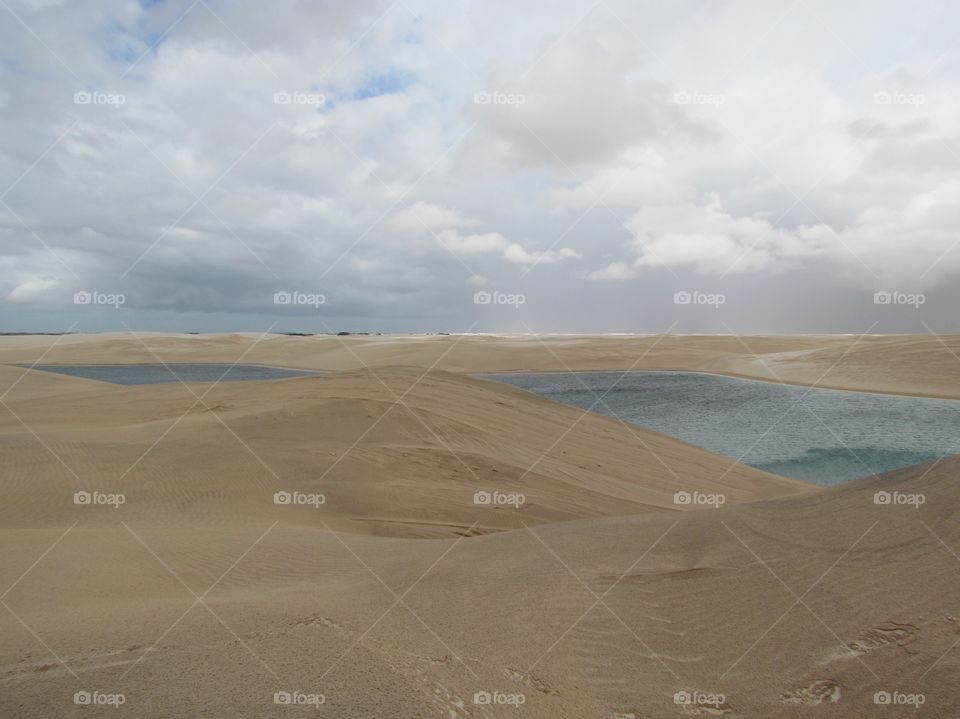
(449, 704)
(882, 636)
(88, 661)
(315, 620)
(530, 680)
(708, 710)
(820, 692)
(444, 660)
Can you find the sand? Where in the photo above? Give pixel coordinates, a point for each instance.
(399, 595)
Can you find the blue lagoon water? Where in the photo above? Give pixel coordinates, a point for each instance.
(818, 435)
(132, 374)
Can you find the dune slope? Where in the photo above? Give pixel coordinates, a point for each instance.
(783, 607)
(400, 452)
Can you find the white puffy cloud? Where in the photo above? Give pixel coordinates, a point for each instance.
(494, 242)
(915, 242)
(641, 177)
(517, 253)
(613, 271)
(710, 239)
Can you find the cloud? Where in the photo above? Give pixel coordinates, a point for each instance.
(558, 120)
(516, 253)
(33, 289)
(201, 194)
(613, 271)
(913, 243)
(424, 215)
(641, 177)
(711, 240)
(494, 242)
(473, 244)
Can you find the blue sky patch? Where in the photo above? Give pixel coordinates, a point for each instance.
(386, 83)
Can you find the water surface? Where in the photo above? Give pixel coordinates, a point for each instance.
(818, 435)
(132, 374)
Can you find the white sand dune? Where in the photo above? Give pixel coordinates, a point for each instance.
(401, 597)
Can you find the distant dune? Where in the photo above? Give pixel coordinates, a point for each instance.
(400, 593)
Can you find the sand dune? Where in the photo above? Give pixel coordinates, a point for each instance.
(401, 597)
(401, 452)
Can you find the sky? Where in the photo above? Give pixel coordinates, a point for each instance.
(440, 165)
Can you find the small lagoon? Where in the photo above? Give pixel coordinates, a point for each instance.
(817, 435)
(134, 374)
